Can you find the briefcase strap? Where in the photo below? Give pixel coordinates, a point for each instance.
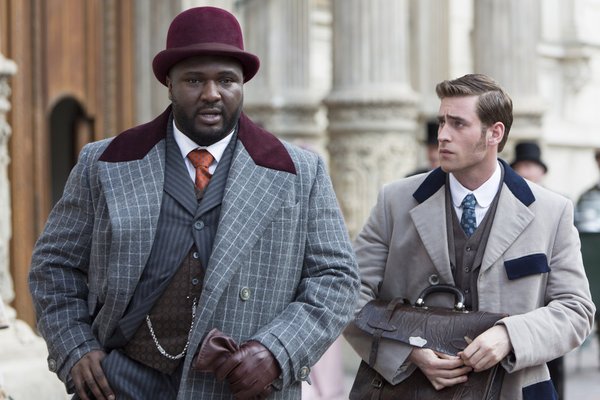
(389, 312)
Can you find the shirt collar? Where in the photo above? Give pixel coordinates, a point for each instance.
(484, 194)
(186, 144)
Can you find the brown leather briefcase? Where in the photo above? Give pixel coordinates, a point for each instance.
(440, 329)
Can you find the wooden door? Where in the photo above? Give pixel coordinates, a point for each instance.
(74, 85)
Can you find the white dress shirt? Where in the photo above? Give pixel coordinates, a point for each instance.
(484, 194)
(186, 145)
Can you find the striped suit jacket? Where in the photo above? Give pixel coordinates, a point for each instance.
(282, 270)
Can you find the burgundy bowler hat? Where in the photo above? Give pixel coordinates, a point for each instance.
(204, 31)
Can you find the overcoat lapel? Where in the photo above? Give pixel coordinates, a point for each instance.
(513, 204)
(512, 217)
(133, 191)
(429, 218)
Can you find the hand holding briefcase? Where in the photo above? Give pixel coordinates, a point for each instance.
(440, 329)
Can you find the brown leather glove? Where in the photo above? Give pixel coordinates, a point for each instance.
(250, 371)
(214, 350)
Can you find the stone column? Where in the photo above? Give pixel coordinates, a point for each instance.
(372, 107)
(225, 4)
(430, 50)
(286, 94)
(152, 20)
(506, 38)
(7, 69)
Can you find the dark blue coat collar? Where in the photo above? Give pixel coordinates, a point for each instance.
(437, 178)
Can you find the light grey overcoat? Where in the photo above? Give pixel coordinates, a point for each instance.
(532, 270)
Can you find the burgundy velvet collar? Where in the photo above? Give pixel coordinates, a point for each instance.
(264, 148)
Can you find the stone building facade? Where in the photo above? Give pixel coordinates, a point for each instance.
(355, 79)
(351, 79)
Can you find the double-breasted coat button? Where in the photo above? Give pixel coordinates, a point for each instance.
(245, 294)
(433, 279)
(52, 364)
(303, 373)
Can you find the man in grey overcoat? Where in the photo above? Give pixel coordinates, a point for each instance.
(196, 256)
(508, 244)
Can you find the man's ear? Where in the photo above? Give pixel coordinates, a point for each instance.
(497, 133)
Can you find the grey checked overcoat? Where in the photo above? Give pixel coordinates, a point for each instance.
(281, 240)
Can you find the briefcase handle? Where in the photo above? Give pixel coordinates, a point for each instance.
(459, 298)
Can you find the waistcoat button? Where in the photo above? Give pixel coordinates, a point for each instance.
(198, 225)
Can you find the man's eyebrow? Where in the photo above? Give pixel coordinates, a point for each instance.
(457, 119)
(230, 72)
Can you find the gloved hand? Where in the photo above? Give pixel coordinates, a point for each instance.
(250, 371)
(214, 350)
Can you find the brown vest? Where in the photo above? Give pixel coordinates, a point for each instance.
(171, 318)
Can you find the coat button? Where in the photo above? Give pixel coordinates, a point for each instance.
(52, 364)
(245, 294)
(303, 373)
(198, 225)
(433, 279)
(196, 255)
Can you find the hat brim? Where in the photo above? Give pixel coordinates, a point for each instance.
(538, 162)
(166, 59)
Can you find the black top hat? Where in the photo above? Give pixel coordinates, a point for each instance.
(528, 151)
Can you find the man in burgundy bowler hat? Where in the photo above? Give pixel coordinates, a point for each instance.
(196, 256)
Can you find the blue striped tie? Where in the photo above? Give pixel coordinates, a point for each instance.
(468, 221)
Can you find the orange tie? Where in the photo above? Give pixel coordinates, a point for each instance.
(201, 159)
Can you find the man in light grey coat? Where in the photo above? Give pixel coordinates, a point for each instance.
(510, 245)
(196, 256)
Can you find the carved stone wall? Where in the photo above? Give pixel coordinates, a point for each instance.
(361, 162)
